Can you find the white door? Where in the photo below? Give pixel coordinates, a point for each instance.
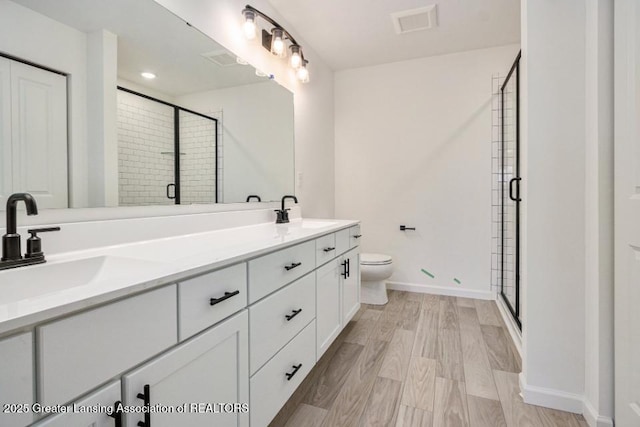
(39, 135)
(16, 368)
(211, 368)
(328, 318)
(6, 179)
(351, 286)
(627, 213)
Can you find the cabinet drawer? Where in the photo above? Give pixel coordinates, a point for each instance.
(272, 271)
(105, 397)
(354, 236)
(342, 241)
(85, 350)
(270, 386)
(16, 378)
(325, 249)
(207, 299)
(279, 317)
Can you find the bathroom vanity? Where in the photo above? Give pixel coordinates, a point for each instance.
(211, 328)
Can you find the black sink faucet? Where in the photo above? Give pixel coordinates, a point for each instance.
(11, 251)
(11, 241)
(283, 214)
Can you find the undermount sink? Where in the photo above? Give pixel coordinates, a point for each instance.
(315, 224)
(27, 282)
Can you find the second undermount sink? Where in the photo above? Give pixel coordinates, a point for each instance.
(28, 282)
(314, 223)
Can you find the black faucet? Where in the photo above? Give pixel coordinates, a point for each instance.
(283, 214)
(11, 248)
(253, 196)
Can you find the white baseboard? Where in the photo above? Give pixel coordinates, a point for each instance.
(593, 418)
(512, 327)
(550, 398)
(440, 290)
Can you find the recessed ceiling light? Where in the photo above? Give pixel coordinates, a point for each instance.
(148, 75)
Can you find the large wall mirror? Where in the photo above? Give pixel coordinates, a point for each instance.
(131, 106)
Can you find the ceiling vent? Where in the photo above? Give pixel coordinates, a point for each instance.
(221, 58)
(423, 18)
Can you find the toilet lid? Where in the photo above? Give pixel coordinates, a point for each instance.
(375, 259)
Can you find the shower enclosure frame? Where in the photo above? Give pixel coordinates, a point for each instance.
(176, 141)
(516, 178)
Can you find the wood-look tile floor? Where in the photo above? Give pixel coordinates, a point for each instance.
(420, 360)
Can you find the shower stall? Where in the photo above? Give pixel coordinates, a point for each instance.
(166, 154)
(509, 193)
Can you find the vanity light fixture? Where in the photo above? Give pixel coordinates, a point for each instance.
(275, 41)
(148, 75)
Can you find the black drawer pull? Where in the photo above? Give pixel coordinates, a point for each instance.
(227, 295)
(329, 249)
(146, 397)
(345, 273)
(292, 266)
(116, 414)
(290, 375)
(348, 267)
(357, 236)
(295, 313)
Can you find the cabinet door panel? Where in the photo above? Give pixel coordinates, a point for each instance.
(209, 368)
(328, 300)
(351, 286)
(16, 368)
(105, 397)
(39, 134)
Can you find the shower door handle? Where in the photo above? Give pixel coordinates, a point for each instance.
(169, 196)
(517, 198)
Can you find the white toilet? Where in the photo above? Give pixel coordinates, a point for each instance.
(375, 269)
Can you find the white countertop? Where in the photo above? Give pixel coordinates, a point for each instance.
(74, 281)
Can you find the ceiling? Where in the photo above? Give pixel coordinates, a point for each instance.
(150, 38)
(358, 33)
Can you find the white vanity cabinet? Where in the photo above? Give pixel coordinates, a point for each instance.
(211, 368)
(328, 316)
(90, 411)
(80, 352)
(16, 380)
(351, 285)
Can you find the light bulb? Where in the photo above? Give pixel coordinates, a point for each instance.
(303, 73)
(148, 75)
(296, 58)
(249, 25)
(277, 42)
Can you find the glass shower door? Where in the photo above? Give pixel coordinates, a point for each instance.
(198, 161)
(510, 193)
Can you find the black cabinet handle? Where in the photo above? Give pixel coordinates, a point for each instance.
(345, 272)
(116, 414)
(517, 198)
(329, 249)
(348, 267)
(294, 314)
(357, 236)
(290, 375)
(169, 193)
(146, 398)
(227, 295)
(404, 228)
(292, 266)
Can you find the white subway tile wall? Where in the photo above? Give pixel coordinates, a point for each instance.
(197, 159)
(145, 151)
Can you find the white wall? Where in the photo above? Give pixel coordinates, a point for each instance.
(30, 36)
(314, 116)
(258, 126)
(599, 214)
(413, 147)
(553, 240)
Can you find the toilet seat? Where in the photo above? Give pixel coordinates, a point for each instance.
(375, 259)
